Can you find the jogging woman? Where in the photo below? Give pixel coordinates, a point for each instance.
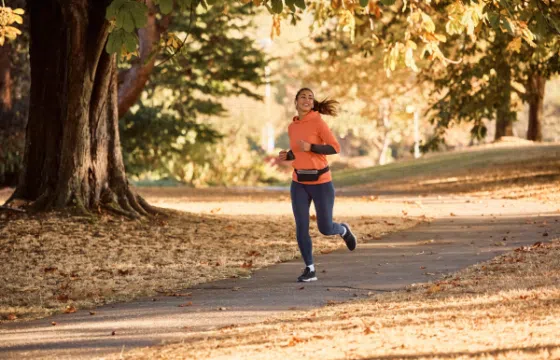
(310, 141)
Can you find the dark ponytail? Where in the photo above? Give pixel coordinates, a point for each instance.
(327, 106)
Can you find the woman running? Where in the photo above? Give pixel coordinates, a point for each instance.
(310, 141)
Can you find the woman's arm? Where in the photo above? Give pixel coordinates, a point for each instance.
(331, 145)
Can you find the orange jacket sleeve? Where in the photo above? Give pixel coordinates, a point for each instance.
(327, 136)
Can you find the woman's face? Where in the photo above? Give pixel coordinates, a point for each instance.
(304, 101)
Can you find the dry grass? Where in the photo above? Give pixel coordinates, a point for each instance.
(54, 262)
(536, 180)
(505, 172)
(507, 308)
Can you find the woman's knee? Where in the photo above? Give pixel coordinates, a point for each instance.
(325, 228)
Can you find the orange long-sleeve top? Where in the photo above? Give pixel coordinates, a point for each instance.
(313, 129)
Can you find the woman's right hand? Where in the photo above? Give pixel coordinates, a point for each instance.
(283, 155)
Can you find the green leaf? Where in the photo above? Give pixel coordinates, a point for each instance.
(494, 19)
(165, 6)
(114, 42)
(388, 2)
(277, 6)
(113, 9)
(508, 25)
(139, 12)
(129, 14)
(130, 42)
(364, 3)
(125, 21)
(300, 4)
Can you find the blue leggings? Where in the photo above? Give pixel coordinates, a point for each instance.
(323, 198)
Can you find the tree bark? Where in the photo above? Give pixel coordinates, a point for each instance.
(72, 154)
(536, 88)
(6, 103)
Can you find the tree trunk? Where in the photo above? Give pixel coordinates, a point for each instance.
(504, 116)
(72, 154)
(536, 107)
(6, 103)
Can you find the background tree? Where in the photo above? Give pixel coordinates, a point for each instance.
(165, 135)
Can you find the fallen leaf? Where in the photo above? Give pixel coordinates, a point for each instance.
(313, 217)
(70, 309)
(12, 317)
(369, 330)
(301, 288)
(215, 210)
(247, 264)
(422, 267)
(53, 323)
(294, 341)
(222, 308)
(92, 312)
(434, 289)
(49, 269)
(113, 333)
(186, 304)
(545, 234)
(452, 214)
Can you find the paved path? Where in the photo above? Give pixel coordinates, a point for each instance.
(479, 231)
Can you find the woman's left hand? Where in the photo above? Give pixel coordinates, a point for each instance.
(305, 146)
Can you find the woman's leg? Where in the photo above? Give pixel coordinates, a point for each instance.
(323, 198)
(300, 206)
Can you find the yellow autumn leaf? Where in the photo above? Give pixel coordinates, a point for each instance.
(427, 23)
(18, 11)
(440, 37)
(514, 45)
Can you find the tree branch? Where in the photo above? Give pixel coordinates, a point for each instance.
(133, 80)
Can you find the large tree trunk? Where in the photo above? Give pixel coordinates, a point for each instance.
(536, 106)
(73, 156)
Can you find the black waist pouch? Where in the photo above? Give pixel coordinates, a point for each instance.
(310, 175)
